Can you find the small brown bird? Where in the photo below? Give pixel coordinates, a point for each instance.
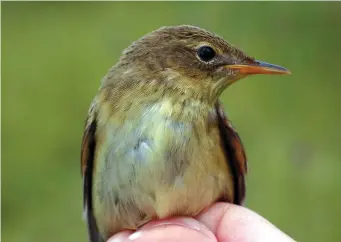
(157, 142)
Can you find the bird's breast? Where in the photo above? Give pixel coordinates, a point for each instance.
(159, 163)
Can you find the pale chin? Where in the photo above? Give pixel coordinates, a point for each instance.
(233, 77)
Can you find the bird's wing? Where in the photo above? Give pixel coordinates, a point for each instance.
(235, 154)
(87, 163)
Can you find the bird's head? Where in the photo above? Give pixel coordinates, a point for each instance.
(190, 59)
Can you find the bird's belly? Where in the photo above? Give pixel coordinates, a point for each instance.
(166, 170)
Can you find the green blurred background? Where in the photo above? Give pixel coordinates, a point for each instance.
(55, 54)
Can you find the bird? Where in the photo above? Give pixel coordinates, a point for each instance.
(157, 142)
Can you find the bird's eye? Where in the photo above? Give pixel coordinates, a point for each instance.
(206, 53)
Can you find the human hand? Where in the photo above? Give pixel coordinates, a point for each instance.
(221, 222)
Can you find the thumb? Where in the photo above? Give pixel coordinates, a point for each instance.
(180, 229)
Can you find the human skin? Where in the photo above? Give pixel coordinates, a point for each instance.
(222, 222)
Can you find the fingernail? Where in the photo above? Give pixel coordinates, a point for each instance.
(185, 222)
(189, 223)
(135, 236)
(120, 237)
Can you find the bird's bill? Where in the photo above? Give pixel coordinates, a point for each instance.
(259, 67)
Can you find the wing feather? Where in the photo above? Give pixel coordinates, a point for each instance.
(235, 154)
(87, 163)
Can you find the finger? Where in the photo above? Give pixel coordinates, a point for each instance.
(180, 229)
(235, 223)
